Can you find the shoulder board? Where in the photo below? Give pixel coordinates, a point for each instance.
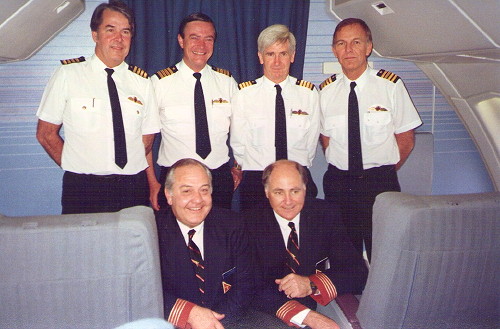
(72, 60)
(388, 75)
(166, 72)
(327, 81)
(137, 70)
(226, 72)
(246, 84)
(304, 83)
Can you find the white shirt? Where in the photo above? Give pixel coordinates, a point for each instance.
(197, 237)
(175, 97)
(253, 122)
(385, 109)
(285, 232)
(77, 97)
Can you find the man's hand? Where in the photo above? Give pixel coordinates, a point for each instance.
(204, 318)
(294, 285)
(317, 320)
(154, 189)
(237, 176)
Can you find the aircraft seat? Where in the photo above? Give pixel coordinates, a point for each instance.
(79, 271)
(435, 264)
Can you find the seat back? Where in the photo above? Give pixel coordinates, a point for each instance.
(79, 271)
(435, 262)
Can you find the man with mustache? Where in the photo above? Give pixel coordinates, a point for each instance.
(194, 100)
(110, 117)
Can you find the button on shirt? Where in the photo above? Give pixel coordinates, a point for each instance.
(253, 123)
(175, 97)
(77, 97)
(385, 109)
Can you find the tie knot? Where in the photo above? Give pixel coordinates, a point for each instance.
(278, 88)
(197, 75)
(353, 84)
(110, 71)
(291, 225)
(191, 233)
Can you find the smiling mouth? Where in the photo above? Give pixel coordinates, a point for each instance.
(199, 53)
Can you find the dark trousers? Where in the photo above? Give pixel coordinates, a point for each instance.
(252, 193)
(83, 193)
(222, 187)
(355, 195)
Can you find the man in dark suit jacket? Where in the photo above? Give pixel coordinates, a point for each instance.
(214, 289)
(292, 281)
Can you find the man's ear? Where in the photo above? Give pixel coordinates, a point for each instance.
(169, 196)
(180, 40)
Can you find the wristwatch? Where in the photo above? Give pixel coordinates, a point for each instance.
(314, 288)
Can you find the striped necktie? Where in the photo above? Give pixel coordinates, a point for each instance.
(292, 248)
(197, 260)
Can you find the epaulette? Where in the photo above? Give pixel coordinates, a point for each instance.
(304, 83)
(327, 81)
(72, 60)
(226, 72)
(137, 70)
(246, 84)
(166, 72)
(388, 75)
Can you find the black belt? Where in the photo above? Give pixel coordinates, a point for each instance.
(375, 171)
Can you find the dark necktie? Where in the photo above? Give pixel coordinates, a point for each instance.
(292, 247)
(355, 157)
(280, 126)
(203, 147)
(197, 261)
(118, 129)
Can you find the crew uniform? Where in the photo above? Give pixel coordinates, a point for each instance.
(385, 109)
(253, 131)
(77, 97)
(174, 88)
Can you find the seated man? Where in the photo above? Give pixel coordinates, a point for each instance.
(205, 258)
(303, 254)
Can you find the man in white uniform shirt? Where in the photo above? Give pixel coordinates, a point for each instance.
(109, 115)
(175, 89)
(367, 131)
(256, 136)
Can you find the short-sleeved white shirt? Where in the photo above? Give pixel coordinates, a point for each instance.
(77, 97)
(253, 122)
(385, 109)
(174, 88)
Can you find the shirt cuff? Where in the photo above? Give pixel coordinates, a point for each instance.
(180, 313)
(327, 290)
(298, 319)
(288, 310)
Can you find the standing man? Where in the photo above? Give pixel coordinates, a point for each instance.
(195, 109)
(206, 265)
(368, 122)
(274, 117)
(109, 115)
(303, 253)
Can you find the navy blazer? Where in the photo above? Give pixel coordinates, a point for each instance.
(322, 237)
(227, 258)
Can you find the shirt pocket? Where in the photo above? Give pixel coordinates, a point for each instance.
(177, 120)
(88, 114)
(298, 126)
(221, 116)
(133, 114)
(336, 128)
(258, 131)
(377, 127)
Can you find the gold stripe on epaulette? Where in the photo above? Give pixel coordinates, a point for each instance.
(223, 71)
(327, 81)
(246, 84)
(388, 75)
(304, 83)
(166, 72)
(73, 60)
(137, 70)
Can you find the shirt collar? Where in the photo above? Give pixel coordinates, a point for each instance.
(185, 229)
(269, 83)
(98, 65)
(187, 71)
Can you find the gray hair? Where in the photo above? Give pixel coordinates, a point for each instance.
(277, 33)
(170, 180)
